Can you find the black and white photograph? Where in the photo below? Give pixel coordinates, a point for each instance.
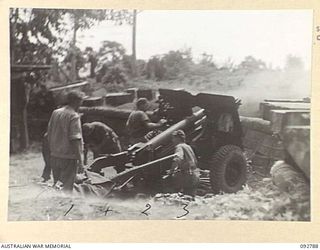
(129, 114)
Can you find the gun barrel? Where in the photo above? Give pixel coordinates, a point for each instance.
(26, 68)
(132, 171)
(165, 136)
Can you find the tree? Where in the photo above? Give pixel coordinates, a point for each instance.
(228, 64)
(207, 59)
(74, 58)
(252, 64)
(81, 19)
(33, 35)
(85, 19)
(155, 68)
(134, 57)
(32, 41)
(169, 65)
(110, 62)
(294, 63)
(111, 51)
(36, 35)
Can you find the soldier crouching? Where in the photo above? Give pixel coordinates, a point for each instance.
(100, 139)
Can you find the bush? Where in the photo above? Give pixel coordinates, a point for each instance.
(127, 65)
(79, 57)
(114, 74)
(155, 69)
(113, 64)
(252, 64)
(169, 66)
(294, 63)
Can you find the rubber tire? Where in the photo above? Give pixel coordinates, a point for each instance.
(220, 161)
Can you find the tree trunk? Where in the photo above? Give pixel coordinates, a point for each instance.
(18, 110)
(12, 34)
(73, 73)
(24, 135)
(134, 59)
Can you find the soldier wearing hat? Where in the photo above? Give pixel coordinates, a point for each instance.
(184, 166)
(139, 124)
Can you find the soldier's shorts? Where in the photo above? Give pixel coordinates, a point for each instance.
(64, 170)
(187, 182)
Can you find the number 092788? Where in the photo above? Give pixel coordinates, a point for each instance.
(305, 246)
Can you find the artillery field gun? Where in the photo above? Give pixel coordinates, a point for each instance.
(212, 127)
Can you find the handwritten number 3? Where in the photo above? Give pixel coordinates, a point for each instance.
(145, 211)
(148, 207)
(185, 209)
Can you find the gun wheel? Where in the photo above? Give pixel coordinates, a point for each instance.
(228, 170)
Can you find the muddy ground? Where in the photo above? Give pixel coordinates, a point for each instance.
(31, 201)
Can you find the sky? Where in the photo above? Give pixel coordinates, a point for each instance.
(266, 35)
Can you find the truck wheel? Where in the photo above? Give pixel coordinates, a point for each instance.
(228, 169)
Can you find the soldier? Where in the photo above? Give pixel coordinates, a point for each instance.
(139, 124)
(92, 59)
(46, 173)
(100, 139)
(184, 171)
(65, 142)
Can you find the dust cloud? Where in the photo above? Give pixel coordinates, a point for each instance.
(270, 85)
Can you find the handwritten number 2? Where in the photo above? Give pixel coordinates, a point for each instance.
(145, 211)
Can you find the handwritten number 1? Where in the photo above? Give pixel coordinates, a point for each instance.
(69, 210)
(148, 207)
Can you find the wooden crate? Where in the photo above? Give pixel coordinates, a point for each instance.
(93, 102)
(117, 99)
(145, 93)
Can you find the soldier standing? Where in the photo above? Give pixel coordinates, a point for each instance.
(46, 173)
(65, 142)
